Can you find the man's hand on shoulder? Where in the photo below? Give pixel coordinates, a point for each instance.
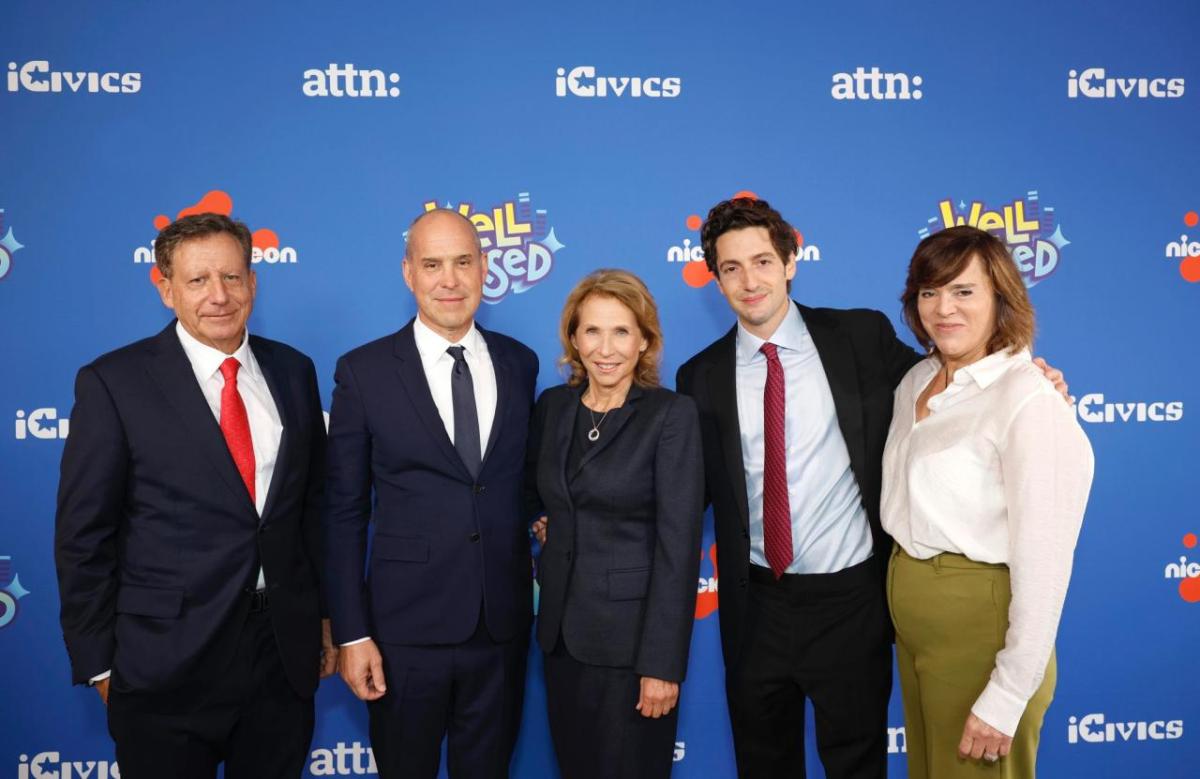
(1055, 377)
(361, 667)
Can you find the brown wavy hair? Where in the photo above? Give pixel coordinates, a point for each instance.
(941, 257)
(628, 290)
(743, 212)
(197, 226)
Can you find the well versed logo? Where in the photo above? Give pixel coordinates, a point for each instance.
(874, 84)
(1094, 409)
(1186, 572)
(518, 241)
(1028, 228)
(690, 253)
(349, 81)
(1093, 729)
(41, 424)
(11, 591)
(265, 242)
(36, 76)
(1096, 83)
(582, 81)
(8, 247)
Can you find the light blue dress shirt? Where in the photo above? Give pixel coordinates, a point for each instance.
(830, 531)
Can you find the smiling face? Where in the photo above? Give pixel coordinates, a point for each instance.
(754, 278)
(211, 290)
(445, 270)
(960, 316)
(609, 342)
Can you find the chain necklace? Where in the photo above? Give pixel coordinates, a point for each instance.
(594, 433)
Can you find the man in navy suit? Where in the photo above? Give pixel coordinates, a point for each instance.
(187, 536)
(427, 437)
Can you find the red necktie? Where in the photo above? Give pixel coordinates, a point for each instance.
(777, 518)
(235, 424)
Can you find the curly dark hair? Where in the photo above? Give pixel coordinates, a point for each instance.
(197, 226)
(746, 212)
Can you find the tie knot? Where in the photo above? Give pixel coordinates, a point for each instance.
(229, 368)
(769, 349)
(457, 353)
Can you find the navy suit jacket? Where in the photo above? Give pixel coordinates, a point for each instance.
(622, 552)
(863, 361)
(444, 542)
(156, 538)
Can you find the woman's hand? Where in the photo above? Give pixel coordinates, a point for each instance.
(658, 697)
(981, 740)
(539, 529)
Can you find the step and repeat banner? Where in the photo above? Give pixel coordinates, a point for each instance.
(598, 135)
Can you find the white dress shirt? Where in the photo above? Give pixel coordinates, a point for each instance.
(998, 472)
(266, 430)
(439, 366)
(830, 531)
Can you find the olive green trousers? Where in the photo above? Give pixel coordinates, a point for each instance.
(951, 614)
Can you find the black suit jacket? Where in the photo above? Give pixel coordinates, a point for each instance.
(622, 555)
(156, 538)
(863, 361)
(444, 542)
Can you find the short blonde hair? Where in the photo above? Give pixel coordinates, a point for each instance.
(628, 290)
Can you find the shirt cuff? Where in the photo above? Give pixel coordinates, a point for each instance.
(355, 641)
(999, 708)
(99, 678)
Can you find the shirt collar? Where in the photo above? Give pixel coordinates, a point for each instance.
(432, 346)
(206, 360)
(984, 372)
(790, 334)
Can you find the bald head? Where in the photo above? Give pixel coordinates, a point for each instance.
(440, 221)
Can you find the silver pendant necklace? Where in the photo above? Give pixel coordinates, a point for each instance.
(594, 433)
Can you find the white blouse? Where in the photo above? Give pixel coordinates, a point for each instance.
(999, 471)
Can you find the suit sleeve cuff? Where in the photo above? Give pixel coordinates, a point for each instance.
(999, 708)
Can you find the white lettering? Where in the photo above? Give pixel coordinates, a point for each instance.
(36, 76)
(582, 81)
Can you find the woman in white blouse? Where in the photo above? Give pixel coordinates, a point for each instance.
(986, 476)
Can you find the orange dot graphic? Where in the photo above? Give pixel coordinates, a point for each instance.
(265, 238)
(1190, 269)
(1189, 589)
(155, 276)
(746, 194)
(1189, 540)
(1191, 219)
(161, 221)
(693, 222)
(696, 274)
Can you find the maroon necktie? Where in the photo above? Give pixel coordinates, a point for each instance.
(235, 424)
(777, 518)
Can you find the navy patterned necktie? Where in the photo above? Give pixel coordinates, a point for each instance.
(466, 417)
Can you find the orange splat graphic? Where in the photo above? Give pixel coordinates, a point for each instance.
(1190, 269)
(694, 221)
(746, 194)
(265, 239)
(696, 274)
(706, 602)
(1189, 589)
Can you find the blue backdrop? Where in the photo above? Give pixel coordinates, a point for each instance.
(597, 135)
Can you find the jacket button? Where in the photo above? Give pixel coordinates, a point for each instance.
(742, 583)
(477, 488)
(474, 538)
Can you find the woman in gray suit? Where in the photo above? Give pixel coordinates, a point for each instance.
(615, 465)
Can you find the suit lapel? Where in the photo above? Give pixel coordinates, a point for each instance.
(609, 429)
(416, 387)
(172, 373)
(276, 381)
(504, 391)
(564, 427)
(837, 358)
(722, 383)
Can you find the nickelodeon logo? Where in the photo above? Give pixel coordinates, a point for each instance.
(1186, 251)
(265, 243)
(1188, 573)
(689, 252)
